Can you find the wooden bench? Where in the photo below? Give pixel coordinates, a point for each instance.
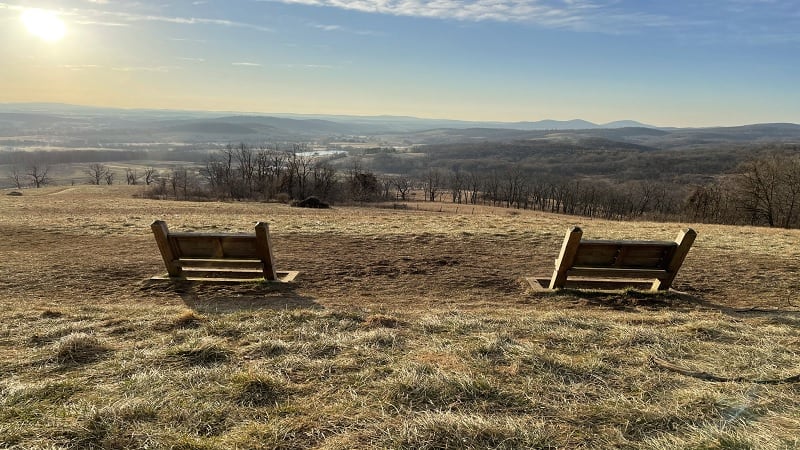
(218, 257)
(604, 264)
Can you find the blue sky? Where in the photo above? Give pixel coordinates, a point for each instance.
(668, 63)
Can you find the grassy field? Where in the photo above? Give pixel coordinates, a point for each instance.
(405, 329)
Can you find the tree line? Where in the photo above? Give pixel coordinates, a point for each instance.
(763, 190)
(269, 172)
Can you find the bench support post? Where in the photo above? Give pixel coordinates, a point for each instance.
(264, 250)
(684, 240)
(161, 233)
(567, 256)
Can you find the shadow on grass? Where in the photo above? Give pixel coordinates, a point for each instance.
(222, 298)
(622, 299)
(635, 299)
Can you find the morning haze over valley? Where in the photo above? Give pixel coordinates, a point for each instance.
(411, 224)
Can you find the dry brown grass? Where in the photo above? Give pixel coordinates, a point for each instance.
(405, 329)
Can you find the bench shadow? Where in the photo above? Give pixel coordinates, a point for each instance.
(626, 299)
(635, 299)
(226, 298)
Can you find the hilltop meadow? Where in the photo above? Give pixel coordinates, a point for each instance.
(406, 328)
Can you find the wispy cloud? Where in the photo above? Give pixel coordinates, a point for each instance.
(78, 67)
(246, 64)
(186, 58)
(606, 16)
(199, 41)
(96, 16)
(327, 27)
(340, 28)
(143, 69)
(133, 17)
(103, 24)
(307, 66)
(571, 14)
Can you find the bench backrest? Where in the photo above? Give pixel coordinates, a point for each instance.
(656, 260)
(231, 255)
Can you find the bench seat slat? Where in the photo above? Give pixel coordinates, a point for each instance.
(595, 272)
(220, 270)
(210, 272)
(188, 235)
(223, 263)
(589, 242)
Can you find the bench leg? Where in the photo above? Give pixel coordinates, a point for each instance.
(161, 232)
(684, 240)
(567, 256)
(264, 249)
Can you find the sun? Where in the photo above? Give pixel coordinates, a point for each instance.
(44, 24)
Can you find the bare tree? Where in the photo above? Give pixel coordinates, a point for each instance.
(789, 195)
(302, 166)
(385, 185)
(472, 183)
(38, 174)
(324, 180)
(245, 158)
(456, 184)
(149, 175)
(179, 179)
(433, 180)
(403, 185)
(511, 186)
(759, 181)
(97, 173)
(15, 175)
(130, 176)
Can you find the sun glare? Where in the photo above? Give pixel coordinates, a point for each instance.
(44, 24)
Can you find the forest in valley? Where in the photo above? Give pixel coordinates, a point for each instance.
(592, 176)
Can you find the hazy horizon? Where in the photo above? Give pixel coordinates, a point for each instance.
(221, 113)
(681, 64)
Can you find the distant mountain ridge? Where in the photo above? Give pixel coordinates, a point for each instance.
(81, 125)
(396, 123)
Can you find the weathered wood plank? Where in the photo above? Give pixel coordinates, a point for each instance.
(613, 272)
(239, 247)
(161, 233)
(590, 242)
(222, 272)
(283, 277)
(196, 246)
(264, 250)
(684, 242)
(566, 257)
(231, 263)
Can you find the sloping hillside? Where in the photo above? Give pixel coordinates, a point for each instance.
(405, 329)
